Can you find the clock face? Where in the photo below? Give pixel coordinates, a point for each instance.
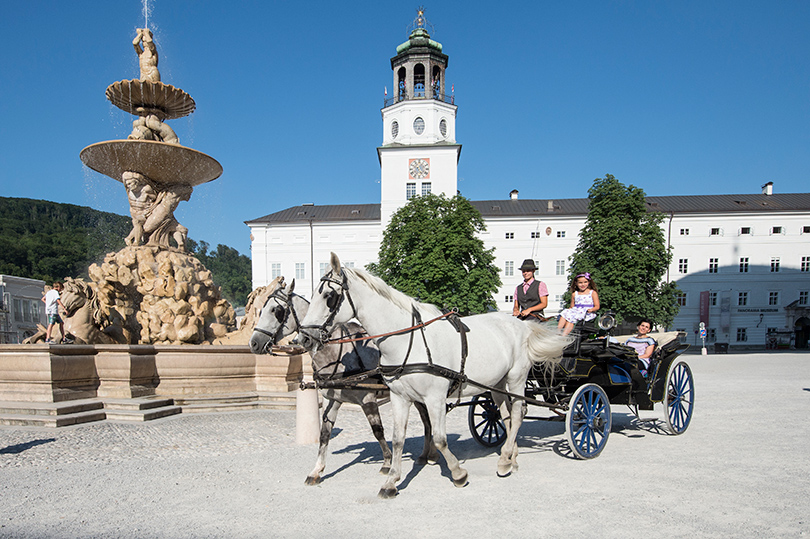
(419, 168)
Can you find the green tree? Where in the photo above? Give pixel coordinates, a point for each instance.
(231, 271)
(623, 246)
(430, 251)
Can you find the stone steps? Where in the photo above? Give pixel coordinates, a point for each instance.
(51, 414)
(140, 409)
(234, 402)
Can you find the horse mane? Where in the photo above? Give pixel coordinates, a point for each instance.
(81, 288)
(403, 301)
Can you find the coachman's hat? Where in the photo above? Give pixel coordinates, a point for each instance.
(528, 265)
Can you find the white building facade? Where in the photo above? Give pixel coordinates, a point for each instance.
(742, 261)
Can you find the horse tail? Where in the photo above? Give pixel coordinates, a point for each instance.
(544, 345)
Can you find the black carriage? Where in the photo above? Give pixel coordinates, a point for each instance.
(596, 372)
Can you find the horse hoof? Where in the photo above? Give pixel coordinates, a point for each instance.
(461, 481)
(504, 471)
(384, 470)
(387, 493)
(311, 481)
(429, 460)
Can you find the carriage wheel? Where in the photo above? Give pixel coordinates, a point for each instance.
(485, 422)
(587, 424)
(679, 400)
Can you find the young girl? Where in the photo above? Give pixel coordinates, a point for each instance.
(584, 303)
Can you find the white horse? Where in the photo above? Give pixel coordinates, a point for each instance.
(279, 318)
(501, 350)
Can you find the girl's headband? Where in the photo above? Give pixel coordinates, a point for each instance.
(586, 275)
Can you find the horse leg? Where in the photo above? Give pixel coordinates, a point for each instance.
(329, 415)
(400, 407)
(507, 463)
(429, 454)
(438, 420)
(372, 411)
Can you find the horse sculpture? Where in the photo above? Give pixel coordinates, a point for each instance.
(279, 318)
(431, 367)
(84, 318)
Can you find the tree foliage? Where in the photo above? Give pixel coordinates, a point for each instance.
(623, 246)
(231, 270)
(51, 241)
(430, 251)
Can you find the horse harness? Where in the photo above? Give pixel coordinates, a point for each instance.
(281, 299)
(335, 300)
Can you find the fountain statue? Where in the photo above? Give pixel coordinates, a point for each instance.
(153, 291)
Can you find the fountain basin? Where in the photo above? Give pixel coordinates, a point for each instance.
(167, 164)
(145, 97)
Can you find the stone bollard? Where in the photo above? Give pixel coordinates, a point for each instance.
(307, 417)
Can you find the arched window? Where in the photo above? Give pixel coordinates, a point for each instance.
(401, 84)
(436, 82)
(419, 80)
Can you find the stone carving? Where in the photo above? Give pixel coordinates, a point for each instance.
(151, 128)
(147, 55)
(152, 209)
(160, 296)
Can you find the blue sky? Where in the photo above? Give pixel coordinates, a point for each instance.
(684, 97)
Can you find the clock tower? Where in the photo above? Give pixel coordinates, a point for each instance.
(419, 154)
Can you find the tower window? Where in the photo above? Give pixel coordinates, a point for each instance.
(443, 128)
(419, 125)
(436, 82)
(394, 129)
(410, 190)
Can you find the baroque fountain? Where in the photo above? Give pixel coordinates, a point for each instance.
(151, 291)
(153, 335)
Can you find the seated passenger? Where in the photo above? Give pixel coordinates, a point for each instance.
(584, 303)
(643, 344)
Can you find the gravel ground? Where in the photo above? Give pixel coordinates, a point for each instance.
(741, 469)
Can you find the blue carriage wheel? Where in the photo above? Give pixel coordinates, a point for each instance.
(587, 424)
(679, 399)
(485, 422)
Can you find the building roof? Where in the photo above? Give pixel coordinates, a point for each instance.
(517, 208)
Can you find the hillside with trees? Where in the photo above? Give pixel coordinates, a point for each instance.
(50, 241)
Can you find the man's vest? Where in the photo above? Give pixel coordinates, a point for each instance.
(530, 298)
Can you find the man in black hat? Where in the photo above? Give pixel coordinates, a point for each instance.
(531, 297)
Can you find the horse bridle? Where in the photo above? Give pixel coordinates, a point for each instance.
(286, 300)
(334, 302)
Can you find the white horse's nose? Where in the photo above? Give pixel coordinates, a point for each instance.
(307, 341)
(257, 344)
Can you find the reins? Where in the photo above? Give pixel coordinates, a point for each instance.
(392, 333)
